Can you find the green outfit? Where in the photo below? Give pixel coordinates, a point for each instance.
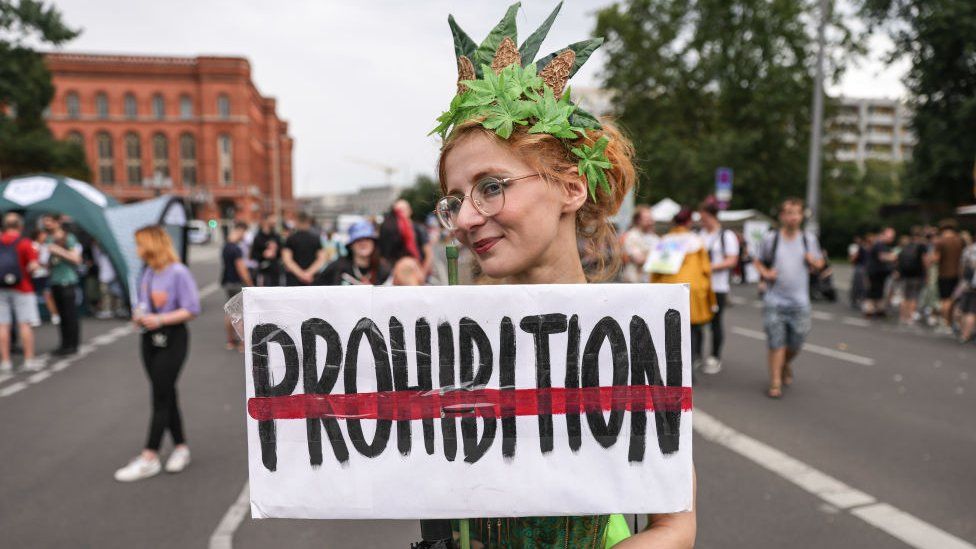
(541, 532)
(63, 273)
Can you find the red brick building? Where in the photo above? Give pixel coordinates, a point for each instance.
(192, 126)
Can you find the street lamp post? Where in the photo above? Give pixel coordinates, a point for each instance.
(816, 125)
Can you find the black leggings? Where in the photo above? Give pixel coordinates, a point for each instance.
(718, 335)
(697, 337)
(163, 365)
(64, 299)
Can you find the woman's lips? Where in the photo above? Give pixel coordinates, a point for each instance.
(482, 246)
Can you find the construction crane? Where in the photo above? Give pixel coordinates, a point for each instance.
(385, 168)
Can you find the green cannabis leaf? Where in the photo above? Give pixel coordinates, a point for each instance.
(593, 164)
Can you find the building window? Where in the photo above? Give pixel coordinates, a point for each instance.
(225, 152)
(76, 137)
(186, 107)
(106, 160)
(73, 105)
(160, 155)
(223, 106)
(159, 107)
(133, 159)
(188, 159)
(131, 109)
(101, 105)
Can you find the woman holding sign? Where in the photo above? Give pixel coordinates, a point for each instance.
(167, 300)
(526, 175)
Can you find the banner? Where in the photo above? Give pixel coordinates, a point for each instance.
(468, 401)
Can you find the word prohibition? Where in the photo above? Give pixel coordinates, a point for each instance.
(637, 386)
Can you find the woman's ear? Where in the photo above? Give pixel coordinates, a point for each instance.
(576, 192)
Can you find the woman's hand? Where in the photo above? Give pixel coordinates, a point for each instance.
(150, 322)
(668, 531)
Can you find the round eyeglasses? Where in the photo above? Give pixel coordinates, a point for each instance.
(487, 196)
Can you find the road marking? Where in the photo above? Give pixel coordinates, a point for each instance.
(852, 321)
(13, 388)
(908, 528)
(822, 315)
(209, 289)
(5, 377)
(816, 349)
(39, 376)
(223, 536)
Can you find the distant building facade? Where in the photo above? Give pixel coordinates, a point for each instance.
(191, 126)
(871, 129)
(367, 202)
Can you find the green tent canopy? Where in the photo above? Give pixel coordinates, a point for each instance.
(111, 224)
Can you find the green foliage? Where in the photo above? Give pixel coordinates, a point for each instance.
(422, 196)
(852, 198)
(529, 48)
(505, 28)
(26, 145)
(938, 37)
(711, 83)
(593, 164)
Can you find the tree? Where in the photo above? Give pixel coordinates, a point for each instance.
(852, 198)
(26, 143)
(422, 196)
(939, 38)
(700, 84)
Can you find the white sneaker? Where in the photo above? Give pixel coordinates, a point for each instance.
(33, 364)
(712, 366)
(6, 367)
(55, 319)
(178, 460)
(138, 469)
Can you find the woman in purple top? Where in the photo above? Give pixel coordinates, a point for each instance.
(167, 300)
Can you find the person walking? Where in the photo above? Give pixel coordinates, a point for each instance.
(857, 255)
(18, 259)
(234, 275)
(682, 258)
(167, 300)
(65, 257)
(785, 260)
(947, 253)
(363, 264)
(302, 254)
(638, 241)
(723, 252)
(266, 253)
(881, 260)
(967, 301)
(911, 275)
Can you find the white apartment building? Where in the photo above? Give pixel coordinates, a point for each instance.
(367, 202)
(871, 129)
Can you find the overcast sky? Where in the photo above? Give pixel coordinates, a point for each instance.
(358, 81)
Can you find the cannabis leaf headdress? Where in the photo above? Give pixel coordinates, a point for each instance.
(501, 86)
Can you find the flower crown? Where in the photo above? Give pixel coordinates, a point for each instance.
(499, 85)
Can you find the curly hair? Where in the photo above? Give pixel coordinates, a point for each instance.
(554, 161)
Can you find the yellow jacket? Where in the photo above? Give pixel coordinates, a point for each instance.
(696, 271)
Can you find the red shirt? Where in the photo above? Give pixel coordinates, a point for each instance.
(26, 254)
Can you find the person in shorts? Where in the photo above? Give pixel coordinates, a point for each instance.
(967, 302)
(785, 259)
(234, 275)
(18, 259)
(947, 253)
(911, 268)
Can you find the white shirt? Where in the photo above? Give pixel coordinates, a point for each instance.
(637, 243)
(721, 280)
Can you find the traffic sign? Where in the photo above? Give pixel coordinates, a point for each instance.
(723, 186)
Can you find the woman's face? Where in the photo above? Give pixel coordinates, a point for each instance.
(140, 250)
(363, 247)
(530, 232)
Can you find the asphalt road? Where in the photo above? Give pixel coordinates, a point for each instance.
(872, 448)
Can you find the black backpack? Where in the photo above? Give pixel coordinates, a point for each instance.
(910, 261)
(10, 272)
(771, 258)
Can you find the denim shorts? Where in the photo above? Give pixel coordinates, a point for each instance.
(786, 326)
(22, 304)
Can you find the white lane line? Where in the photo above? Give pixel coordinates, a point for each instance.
(5, 377)
(223, 536)
(60, 365)
(13, 388)
(908, 528)
(822, 315)
(810, 347)
(852, 321)
(39, 376)
(209, 289)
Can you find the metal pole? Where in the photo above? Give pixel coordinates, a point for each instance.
(816, 125)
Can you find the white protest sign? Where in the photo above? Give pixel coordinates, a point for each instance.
(468, 401)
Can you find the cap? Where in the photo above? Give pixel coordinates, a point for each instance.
(360, 230)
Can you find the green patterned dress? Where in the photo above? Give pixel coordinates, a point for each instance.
(540, 532)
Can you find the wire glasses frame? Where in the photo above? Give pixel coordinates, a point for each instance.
(487, 196)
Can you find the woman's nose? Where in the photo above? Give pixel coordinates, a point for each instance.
(468, 216)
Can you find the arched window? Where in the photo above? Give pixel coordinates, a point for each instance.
(188, 159)
(75, 136)
(160, 155)
(133, 159)
(159, 107)
(225, 159)
(186, 107)
(223, 106)
(101, 105)
(131, 108)
(106, 160)
(72, 105)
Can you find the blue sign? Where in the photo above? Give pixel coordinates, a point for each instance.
(723, 186)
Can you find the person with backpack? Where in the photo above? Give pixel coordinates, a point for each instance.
(785, 259)
(18, 259)
(910, 266)
(723, 251)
